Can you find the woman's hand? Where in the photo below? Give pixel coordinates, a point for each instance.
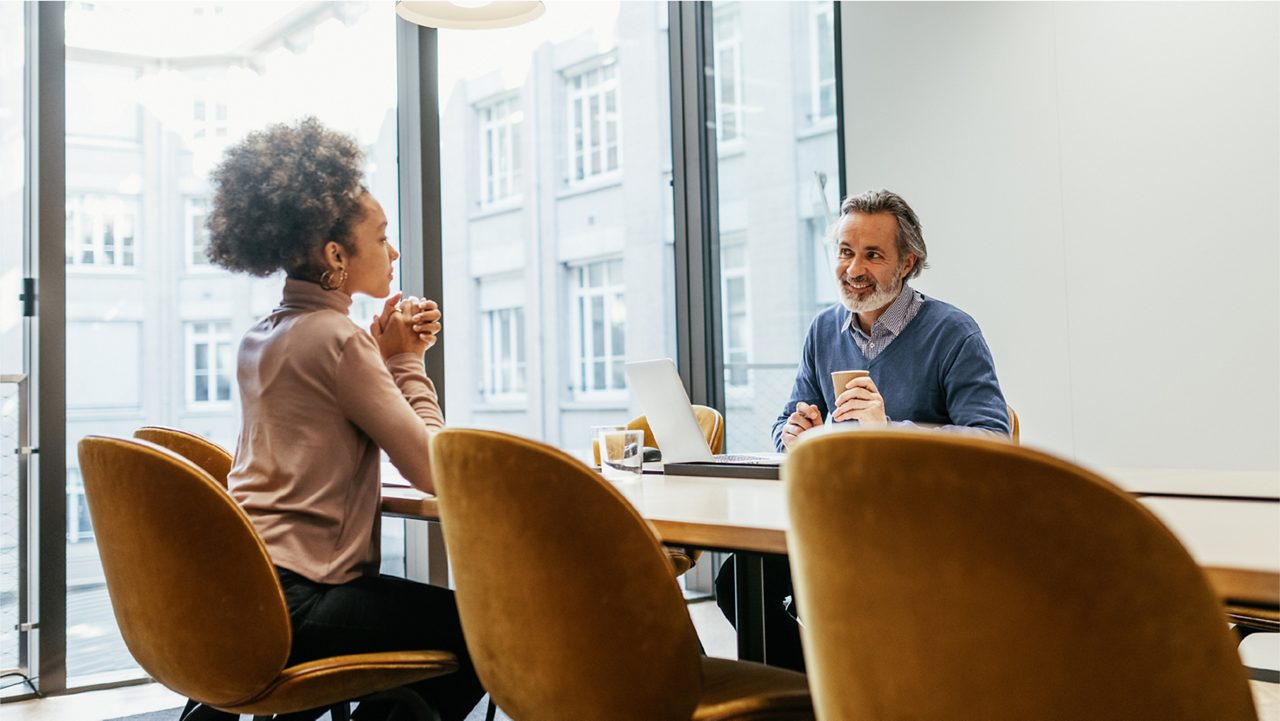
(392, 333)
(424, 316)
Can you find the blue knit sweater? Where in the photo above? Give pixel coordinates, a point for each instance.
(937, 371)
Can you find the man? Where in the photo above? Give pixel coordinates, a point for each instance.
(927, 360)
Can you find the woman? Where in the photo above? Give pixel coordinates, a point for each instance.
(321, 398)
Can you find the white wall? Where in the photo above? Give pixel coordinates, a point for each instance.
(1100, 188)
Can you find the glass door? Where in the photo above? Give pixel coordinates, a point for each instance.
(14, 395)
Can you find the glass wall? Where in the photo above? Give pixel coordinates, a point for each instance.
(155, 93)
(774, 65)
(13, 148)
(558, 229)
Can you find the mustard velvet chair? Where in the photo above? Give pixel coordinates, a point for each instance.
(953, 577)
(197, 599)
(1013, 424)
(567, 602)
(209, 456)
(711, 421)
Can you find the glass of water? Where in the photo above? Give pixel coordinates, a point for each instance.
(621, 454)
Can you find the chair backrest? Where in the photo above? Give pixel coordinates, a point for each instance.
(710, 421)
(209, 456)
(1013, 424)
(193, 590)
(942, 576)
(567, 601)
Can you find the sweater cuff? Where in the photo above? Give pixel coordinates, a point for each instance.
(406, 361)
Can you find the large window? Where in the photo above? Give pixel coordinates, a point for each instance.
(595, 148)
(155, 93)
(13, 366)
(101, 231)
(499, 151)
(503, 354)
(210, 364)
(545, 299)
(777, 192)
(600, 327)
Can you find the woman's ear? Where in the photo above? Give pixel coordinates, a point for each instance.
(334, 254)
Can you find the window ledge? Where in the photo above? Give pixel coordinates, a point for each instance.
(509, 404)
(822, 127)
(592, 184)
(731, 148)
(208, 409)
(618, 403)
(506, 205)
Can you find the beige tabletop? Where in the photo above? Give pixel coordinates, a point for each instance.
(1236, 541)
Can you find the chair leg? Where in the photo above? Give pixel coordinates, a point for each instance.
(196, 711)
(492, 711)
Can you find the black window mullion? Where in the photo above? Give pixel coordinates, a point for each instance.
(699, 348)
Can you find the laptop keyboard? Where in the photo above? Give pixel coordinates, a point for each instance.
(748, 459)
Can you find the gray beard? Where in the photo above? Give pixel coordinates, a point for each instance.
(879, 298)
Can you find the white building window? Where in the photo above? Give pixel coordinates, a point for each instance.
(197, 235)
(728, 75)
(599, 322)
(209, 118)
(822, 63)
(502, 354)
(500, 150)
(210, 363)
(737, 321)
(595, 144)
(101, 231)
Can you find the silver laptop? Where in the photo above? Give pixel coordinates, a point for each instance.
(656, 385)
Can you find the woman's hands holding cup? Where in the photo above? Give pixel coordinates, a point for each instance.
(409, 325)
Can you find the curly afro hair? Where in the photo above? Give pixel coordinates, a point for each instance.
(281, 194)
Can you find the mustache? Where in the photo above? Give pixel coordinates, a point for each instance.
(860, 279)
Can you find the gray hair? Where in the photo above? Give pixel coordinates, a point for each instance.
(910, 236)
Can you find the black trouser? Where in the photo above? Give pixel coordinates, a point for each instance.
(383, 613)
(782, 633)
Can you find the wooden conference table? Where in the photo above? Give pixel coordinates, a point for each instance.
(1229, 523)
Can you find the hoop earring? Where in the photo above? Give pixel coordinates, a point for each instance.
(327, 281)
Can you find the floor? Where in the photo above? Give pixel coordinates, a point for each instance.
(717, 636)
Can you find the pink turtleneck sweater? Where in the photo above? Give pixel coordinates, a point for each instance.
(318, 402)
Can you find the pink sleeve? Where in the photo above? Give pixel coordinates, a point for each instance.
(394, 403)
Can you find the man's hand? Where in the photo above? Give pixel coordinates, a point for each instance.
(805, 417)
(861, 401)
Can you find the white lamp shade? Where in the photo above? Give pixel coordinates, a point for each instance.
(469, 15)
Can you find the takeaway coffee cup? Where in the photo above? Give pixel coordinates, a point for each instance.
(840, 379)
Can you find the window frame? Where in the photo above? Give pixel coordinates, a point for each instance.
(194, 207)
(510, 128)
(97, 209)
(816, 81)
(612, 293)
(218, 334)
(602, 90)
(494, 365)
(731, 17)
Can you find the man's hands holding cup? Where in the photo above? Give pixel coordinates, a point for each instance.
(806, 416)
(860, 401)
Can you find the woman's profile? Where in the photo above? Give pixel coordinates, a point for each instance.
(322, 398)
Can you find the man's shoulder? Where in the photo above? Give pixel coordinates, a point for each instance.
(831, 317)
(947, 316)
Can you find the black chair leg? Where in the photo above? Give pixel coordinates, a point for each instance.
(492, 711)
(199, 712)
